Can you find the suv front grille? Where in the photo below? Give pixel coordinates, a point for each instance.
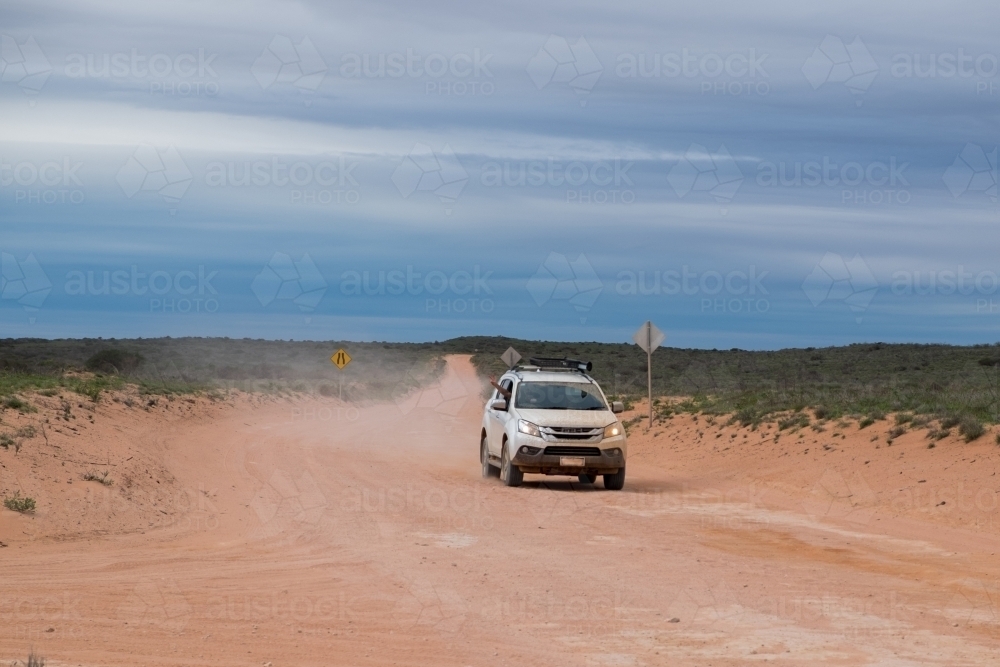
(572, 451)
(571, 433)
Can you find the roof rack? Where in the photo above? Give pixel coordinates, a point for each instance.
(553, 363)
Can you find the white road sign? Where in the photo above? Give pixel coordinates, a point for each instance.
(648, 337)
(510, 357)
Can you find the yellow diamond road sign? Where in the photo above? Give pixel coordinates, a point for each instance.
(340, 358)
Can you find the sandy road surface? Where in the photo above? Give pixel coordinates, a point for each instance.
(304, 535)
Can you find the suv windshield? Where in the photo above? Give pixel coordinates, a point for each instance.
(558, 396)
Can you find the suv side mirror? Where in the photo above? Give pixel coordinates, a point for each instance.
(617, 407)
(500, 405)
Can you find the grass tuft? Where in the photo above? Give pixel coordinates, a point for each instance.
(100, 477)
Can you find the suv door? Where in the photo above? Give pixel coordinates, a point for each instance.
(498, 419)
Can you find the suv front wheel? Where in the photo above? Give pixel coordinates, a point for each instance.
(509, 473)
(484, 457)
(616, 481)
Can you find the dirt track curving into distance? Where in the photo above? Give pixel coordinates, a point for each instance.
(305, 533)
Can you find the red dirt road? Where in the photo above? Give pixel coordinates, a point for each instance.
(306, 533)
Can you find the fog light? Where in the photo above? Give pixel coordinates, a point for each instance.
(613, 452)
(530, 451)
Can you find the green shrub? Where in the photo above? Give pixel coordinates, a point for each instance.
(820, 412)
(629, 423)
(865, 422)
(746, 416)
(970, 428)
(92, 387)
(798, 419)
(18, 504)
(662, 411)
(19, 404)
(903, 418)
(114, 361)
(950, 421)
(8, 440)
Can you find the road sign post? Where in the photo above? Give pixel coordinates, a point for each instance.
(649, 371)
(649, 337)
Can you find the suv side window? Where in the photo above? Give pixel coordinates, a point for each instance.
(509, 386)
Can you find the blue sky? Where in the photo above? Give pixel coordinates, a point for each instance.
(745, 176)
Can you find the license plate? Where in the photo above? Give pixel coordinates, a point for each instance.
(572, 461)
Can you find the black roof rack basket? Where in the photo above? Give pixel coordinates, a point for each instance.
(569, 364)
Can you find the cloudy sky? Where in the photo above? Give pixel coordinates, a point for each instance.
(756, 176)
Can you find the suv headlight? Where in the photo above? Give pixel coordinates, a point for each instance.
(527, 427)
(612, 430)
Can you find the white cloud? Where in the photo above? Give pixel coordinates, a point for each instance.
(110, 124)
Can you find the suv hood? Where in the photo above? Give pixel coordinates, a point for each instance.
(569, 418)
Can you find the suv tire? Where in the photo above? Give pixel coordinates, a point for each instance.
(509, 473)
(484, 457)
(616, 481)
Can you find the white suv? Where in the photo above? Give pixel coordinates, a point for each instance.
(556, 422)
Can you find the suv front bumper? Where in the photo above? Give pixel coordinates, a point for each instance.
(606, 463)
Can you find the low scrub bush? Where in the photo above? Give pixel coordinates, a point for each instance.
(970, 428)
(18, 503)
(950, 421)
(19, 404)
(798, 419)
(114, 361)
(100, 477)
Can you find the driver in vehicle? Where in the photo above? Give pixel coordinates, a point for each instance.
(503, 392)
